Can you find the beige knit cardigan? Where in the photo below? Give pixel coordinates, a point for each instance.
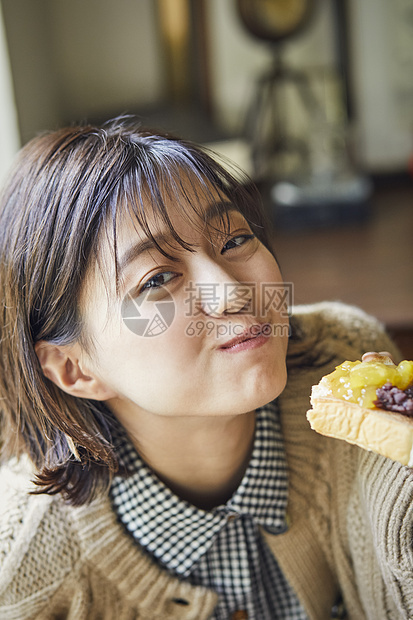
(350, 514)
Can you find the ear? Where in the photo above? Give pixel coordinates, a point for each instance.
(61, 365)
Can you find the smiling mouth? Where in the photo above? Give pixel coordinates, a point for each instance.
(253, 333)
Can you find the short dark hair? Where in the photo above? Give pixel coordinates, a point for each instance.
(65, 189)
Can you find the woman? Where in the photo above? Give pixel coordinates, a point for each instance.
(166, 467)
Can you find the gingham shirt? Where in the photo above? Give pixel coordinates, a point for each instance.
(223, 548)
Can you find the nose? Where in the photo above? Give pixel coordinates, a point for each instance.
(218, 293)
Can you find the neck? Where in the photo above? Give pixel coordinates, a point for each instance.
(202, 460)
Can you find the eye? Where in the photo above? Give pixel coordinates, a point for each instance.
(159, 280)
(236, 242)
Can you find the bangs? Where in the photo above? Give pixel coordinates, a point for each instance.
(189, 181)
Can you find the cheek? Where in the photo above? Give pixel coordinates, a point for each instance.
(153, 372)
(164, 354)
(271, 292)
(269, 268)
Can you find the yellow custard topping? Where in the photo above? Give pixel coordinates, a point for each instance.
(358, 381)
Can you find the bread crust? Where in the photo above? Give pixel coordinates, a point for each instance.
(384, 432)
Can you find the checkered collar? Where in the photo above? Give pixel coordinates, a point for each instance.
(177, 533)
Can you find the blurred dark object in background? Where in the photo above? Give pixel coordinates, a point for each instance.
(314, 181)
(268, 121)
(333, 201)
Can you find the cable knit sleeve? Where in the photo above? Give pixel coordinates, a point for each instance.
(380, 524)
(360, 504)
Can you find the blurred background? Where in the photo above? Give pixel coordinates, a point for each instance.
(313, 98)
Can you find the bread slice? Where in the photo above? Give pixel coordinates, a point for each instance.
(384, 432)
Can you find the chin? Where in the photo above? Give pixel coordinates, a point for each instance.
(274, 387)
(265, 391)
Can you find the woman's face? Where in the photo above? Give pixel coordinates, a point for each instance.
(202, 335)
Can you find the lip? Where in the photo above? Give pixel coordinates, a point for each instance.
(251, 338)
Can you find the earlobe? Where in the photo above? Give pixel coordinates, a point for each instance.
(61, 365)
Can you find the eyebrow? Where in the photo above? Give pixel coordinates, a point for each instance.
(140, 247)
